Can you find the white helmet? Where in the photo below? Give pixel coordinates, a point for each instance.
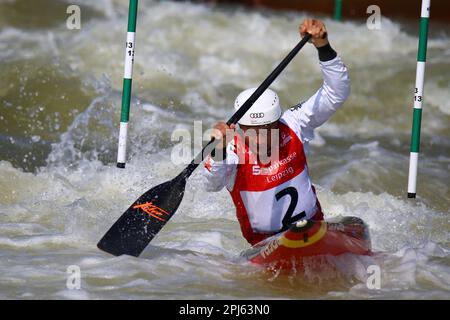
(265, 110)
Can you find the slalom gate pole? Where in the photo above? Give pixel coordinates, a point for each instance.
(338, 10)
(127, 82)
(418, 99)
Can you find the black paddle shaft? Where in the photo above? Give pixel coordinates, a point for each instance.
(247, 105)
(137, 226)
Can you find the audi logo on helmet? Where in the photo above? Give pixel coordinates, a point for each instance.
(258, 115)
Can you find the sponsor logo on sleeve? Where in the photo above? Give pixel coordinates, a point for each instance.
(297, 106)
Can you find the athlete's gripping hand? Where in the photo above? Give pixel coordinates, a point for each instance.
(221, 131)
(316, 29)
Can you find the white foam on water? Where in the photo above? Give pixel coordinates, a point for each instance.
(437, 96)
(82, 206)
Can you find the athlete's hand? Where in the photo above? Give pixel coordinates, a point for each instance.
(316, 29)
(220, 130)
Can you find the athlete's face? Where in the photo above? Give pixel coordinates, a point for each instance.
(260, 137)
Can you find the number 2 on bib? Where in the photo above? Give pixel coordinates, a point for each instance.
(288, 219)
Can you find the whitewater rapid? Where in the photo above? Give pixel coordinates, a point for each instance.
(60, 190)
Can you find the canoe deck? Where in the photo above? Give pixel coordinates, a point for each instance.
(309, 238)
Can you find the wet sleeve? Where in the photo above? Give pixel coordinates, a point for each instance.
(220, 173)
(312, 113)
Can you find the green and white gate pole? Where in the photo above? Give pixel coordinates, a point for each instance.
(338, 10)
(418, 99)
(127, 82)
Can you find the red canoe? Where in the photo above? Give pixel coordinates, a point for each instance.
(311, 238)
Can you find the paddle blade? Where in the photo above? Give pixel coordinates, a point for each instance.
(144, 218)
